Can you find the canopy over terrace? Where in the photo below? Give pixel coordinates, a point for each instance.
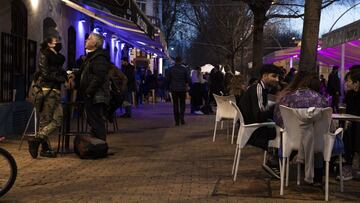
(340, 47)
(125, 30)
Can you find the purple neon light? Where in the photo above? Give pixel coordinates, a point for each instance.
(330, 56)
(80, 39)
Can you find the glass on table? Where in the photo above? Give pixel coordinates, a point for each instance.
(342, 109)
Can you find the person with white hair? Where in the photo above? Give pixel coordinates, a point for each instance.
(94, 84)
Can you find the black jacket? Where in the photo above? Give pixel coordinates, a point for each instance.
(50, 68)
(177, 77)
(94, 78)
(333, 85)
(129, 71)
(254, 105)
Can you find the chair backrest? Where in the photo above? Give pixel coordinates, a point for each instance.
(224, 108)
(322, 127)
(300, 120)
(240, 116)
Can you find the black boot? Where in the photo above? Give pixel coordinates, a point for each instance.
(46, 150)
(34, 147)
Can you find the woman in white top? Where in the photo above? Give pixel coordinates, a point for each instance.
(197, 79)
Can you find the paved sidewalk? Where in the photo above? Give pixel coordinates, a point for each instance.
(157, 162)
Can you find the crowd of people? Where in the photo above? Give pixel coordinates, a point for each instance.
(301, 90)
(104, 88)
(296, 89)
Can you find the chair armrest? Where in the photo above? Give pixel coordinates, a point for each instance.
(261, 124)
(339, 131)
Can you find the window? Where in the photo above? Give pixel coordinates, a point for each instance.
(142, 5)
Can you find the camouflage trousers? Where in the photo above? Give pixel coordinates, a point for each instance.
(50, 117)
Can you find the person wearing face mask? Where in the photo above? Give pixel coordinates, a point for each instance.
(47, 100)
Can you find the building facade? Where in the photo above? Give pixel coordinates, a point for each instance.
(26, 23)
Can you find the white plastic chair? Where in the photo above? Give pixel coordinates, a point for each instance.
(225, 111)
(292, 139)
(244, 133)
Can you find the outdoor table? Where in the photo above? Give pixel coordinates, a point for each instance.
(345, 117)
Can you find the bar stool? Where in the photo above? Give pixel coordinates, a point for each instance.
(114, 123)
(64, 136)
(26, 134)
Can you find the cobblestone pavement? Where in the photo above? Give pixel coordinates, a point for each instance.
(154, 161)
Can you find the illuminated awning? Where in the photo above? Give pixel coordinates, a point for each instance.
(344, 40)
(330, 56)
(127, 31)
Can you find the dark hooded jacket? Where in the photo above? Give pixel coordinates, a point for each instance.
(94, 79)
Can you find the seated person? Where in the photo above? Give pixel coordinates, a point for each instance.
(255, 109)
(351, 137)
(303, 92)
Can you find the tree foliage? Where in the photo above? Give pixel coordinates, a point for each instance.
(170, 11)
(222, 30)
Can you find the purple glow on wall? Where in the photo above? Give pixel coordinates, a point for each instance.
(96, 30)
(80, 38)
(118, 54)
(112, 48)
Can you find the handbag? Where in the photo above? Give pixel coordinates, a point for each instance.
(338, 147)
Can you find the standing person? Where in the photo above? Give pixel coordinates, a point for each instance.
(47, 100)
(178, 79)
(118, 90)
(129, 71)
(94, 85)
(323, 88)
(196, 91)
(216, 83)
(161, 87)
(255, 109)
(333, 88)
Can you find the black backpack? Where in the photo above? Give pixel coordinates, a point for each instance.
(118, 80)
(90, 147)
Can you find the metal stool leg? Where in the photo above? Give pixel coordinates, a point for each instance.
(33, 114)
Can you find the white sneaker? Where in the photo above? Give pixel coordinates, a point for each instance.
(198, 113)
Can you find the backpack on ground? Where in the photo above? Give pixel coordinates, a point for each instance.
(90, 147)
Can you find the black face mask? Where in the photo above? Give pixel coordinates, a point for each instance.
(58, 47)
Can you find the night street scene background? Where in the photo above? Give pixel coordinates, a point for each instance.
(116, 100)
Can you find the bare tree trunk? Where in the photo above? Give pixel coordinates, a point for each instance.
(233, 55)
(310, 35)
(258, 40)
